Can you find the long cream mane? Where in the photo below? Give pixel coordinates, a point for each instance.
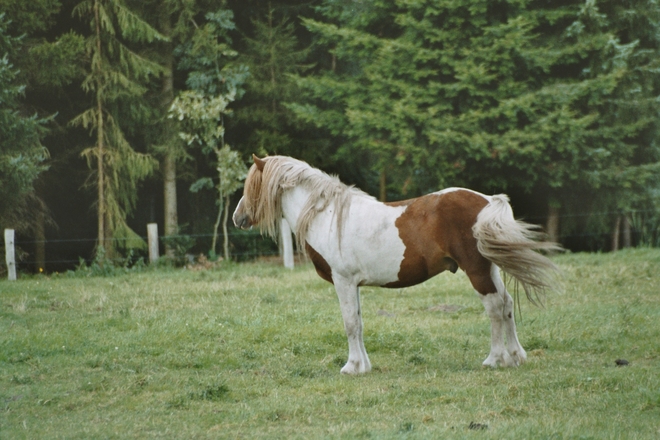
(263, 195)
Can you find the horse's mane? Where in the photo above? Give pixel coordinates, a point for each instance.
(263, 191)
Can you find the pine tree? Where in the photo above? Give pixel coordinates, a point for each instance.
(506, 95)
(627, 176)
(22, 155)
(272, 55)
(116, 73)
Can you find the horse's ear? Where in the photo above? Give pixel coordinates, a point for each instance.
(260, 163)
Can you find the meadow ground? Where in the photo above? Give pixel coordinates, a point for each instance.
(254, 351)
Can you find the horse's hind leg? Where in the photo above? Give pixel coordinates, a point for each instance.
(498, 353)
(349, 301)
(487, 282)
(517, 353)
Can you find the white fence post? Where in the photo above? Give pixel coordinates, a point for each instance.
(10, 255)
(152, 238)
(287, 244)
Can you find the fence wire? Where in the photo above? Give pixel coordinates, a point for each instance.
(249, 245)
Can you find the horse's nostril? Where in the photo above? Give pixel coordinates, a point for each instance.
(241, 221)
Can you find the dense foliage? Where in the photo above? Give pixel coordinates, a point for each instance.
(553, 102)
(538, 97)
(22, 156)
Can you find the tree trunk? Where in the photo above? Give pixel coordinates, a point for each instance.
(171, 218)
(383, 186)
(170, 199)
(552, 225)
(103, 248)
(218, 219)
(626, 232)
(40, 240)
(225, 233)
(615, 233)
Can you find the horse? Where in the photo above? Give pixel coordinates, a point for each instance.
(354, 240)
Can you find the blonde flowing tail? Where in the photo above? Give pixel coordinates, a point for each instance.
(515, 246)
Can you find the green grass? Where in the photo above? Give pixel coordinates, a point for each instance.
(254, 351)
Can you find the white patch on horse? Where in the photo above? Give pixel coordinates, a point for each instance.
(368, 254)
(455, 188)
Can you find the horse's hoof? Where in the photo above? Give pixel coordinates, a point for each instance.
(500, 360)
(519, 357)
(349, 371)
(489, 363)
(354, 368)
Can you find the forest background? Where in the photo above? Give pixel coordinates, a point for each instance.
(118, 113)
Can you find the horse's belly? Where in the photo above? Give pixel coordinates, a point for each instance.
(386, 274)
(378, 261)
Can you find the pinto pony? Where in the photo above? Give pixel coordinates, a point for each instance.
(354, 240)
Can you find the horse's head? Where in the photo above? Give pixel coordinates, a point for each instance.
(248, 212)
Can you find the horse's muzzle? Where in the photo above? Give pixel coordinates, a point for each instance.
(242, 221)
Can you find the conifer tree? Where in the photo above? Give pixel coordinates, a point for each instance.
(626, 179)
(498, 96)
(272, 55)
(22, 155)
(116, 74)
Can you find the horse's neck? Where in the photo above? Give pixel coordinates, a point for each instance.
(293, 202)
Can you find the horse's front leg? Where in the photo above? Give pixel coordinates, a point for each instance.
(349, 301)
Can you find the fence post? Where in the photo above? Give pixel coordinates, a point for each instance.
(152, 238)
(287, 244)
(10, 255)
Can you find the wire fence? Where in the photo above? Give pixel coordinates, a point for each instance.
(70, 253)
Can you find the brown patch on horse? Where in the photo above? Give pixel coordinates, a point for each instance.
(436, 230)
(322, 267)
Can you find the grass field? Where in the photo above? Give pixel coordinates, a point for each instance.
(254, 351)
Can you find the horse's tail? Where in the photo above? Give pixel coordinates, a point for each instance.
(514, 247)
